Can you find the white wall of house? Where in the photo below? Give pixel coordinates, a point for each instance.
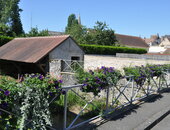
(67, 50)
(165, 43)
(156, 49)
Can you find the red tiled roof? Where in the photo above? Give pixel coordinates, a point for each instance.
(131, 41)
(155, 54)
(31, 49)
(167, 51)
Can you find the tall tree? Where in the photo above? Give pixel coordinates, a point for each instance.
(16, 24)
(101, 35)
(75, 29)
(10, 16)
(72, 21)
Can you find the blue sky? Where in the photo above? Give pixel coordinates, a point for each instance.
(131, 17)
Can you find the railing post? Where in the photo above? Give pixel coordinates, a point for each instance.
(147, 93)
(160, 78)
(168, 79)
(65, 111)
(107, 98)
(132, 92)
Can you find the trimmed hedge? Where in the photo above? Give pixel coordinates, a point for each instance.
(5, 39)
(110, 50)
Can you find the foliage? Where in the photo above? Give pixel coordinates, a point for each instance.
(145, 73)
(72, 21)
(76, 30)
(97, 80)
(5, 30)
(8, 95)
(110, 50)
(101, 35)
(137, 73)
(16, 24)
(28, 99)
(10, 18)
(34, 32)
(5, 39)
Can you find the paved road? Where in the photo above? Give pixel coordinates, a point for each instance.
(141, 117)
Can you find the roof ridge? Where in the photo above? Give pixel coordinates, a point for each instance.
(42, 37)
(128, 35)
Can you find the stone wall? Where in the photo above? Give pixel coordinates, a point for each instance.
(147, 57)
(55, 67)
(94, 61)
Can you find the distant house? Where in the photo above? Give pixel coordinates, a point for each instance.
(154, 40)
(33, 54)
(131, 41)
(159, 45)
(165, 42)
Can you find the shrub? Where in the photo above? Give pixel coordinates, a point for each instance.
(4, 40)
(110, 50)
(29, 99)
(145, 73)
(99, 79)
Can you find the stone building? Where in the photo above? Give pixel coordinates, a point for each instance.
(38, 54)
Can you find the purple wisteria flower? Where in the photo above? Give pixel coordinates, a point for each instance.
(84, 85)
(91, 72)
(103, 67)
(33, 75)
(4, 105)
(63, 92)
(56, 86)
(7, 92)
(60, 81)
(51, 93)
(41, 77)
(56, 82)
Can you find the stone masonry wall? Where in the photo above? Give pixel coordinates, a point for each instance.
(55, 67)
(94, 61)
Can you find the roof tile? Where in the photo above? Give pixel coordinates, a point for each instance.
(131, 41)
(30, 49)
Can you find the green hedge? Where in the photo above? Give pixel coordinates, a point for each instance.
(110, 50)
(5, 39)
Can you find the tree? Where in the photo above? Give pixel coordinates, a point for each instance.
(72, 21)
(16, 24)
(76, 30)
(10, 16)
(101, 35)
(34, 32)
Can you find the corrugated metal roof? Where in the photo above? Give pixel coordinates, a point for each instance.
(30, 50)
(131, 41)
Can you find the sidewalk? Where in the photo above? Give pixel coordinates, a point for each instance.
(143, 116)
(163, 124)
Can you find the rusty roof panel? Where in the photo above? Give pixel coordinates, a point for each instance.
(30, 50)
(131, 41)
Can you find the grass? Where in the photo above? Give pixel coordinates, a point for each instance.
(75, 104)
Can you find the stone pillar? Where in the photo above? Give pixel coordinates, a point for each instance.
(55, 67)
